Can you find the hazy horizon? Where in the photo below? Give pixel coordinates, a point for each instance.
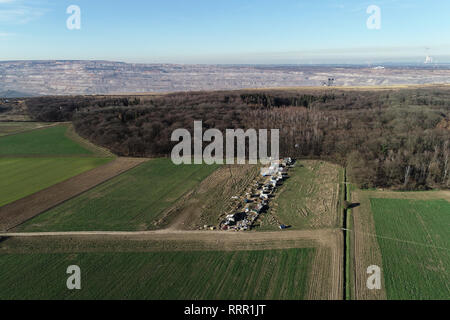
(399, 63)
(226, 32)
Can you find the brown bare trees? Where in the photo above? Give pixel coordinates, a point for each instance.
(386, 138)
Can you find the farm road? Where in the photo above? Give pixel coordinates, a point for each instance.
(324, 236)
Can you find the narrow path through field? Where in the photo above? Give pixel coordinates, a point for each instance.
(325, 236)
(366, 251)
(39, 126)
(400, 240)
(16, 213)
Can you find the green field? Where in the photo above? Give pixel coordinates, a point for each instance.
(131, 201)
(20, 177)
(7, 128)
(31, 161)
(414, 239)
(271, 274)
(49, 142)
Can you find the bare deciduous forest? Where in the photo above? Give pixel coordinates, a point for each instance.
(390, 138)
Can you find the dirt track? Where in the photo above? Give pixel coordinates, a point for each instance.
(16, 213)
(366, 251)
(324, 236)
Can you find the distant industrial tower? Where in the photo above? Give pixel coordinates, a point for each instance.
(329, 83)
(428, 60)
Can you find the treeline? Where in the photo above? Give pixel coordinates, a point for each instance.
(59, 109)
(386, 138)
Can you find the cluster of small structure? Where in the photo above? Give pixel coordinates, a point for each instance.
(256, 200)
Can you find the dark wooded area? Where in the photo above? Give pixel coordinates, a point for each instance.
(395, 138)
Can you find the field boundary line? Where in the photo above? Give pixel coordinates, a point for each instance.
(98, 151)
(28, 130)
(319, 234)
(396, 239)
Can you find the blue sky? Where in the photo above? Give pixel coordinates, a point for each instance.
(226, 31)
